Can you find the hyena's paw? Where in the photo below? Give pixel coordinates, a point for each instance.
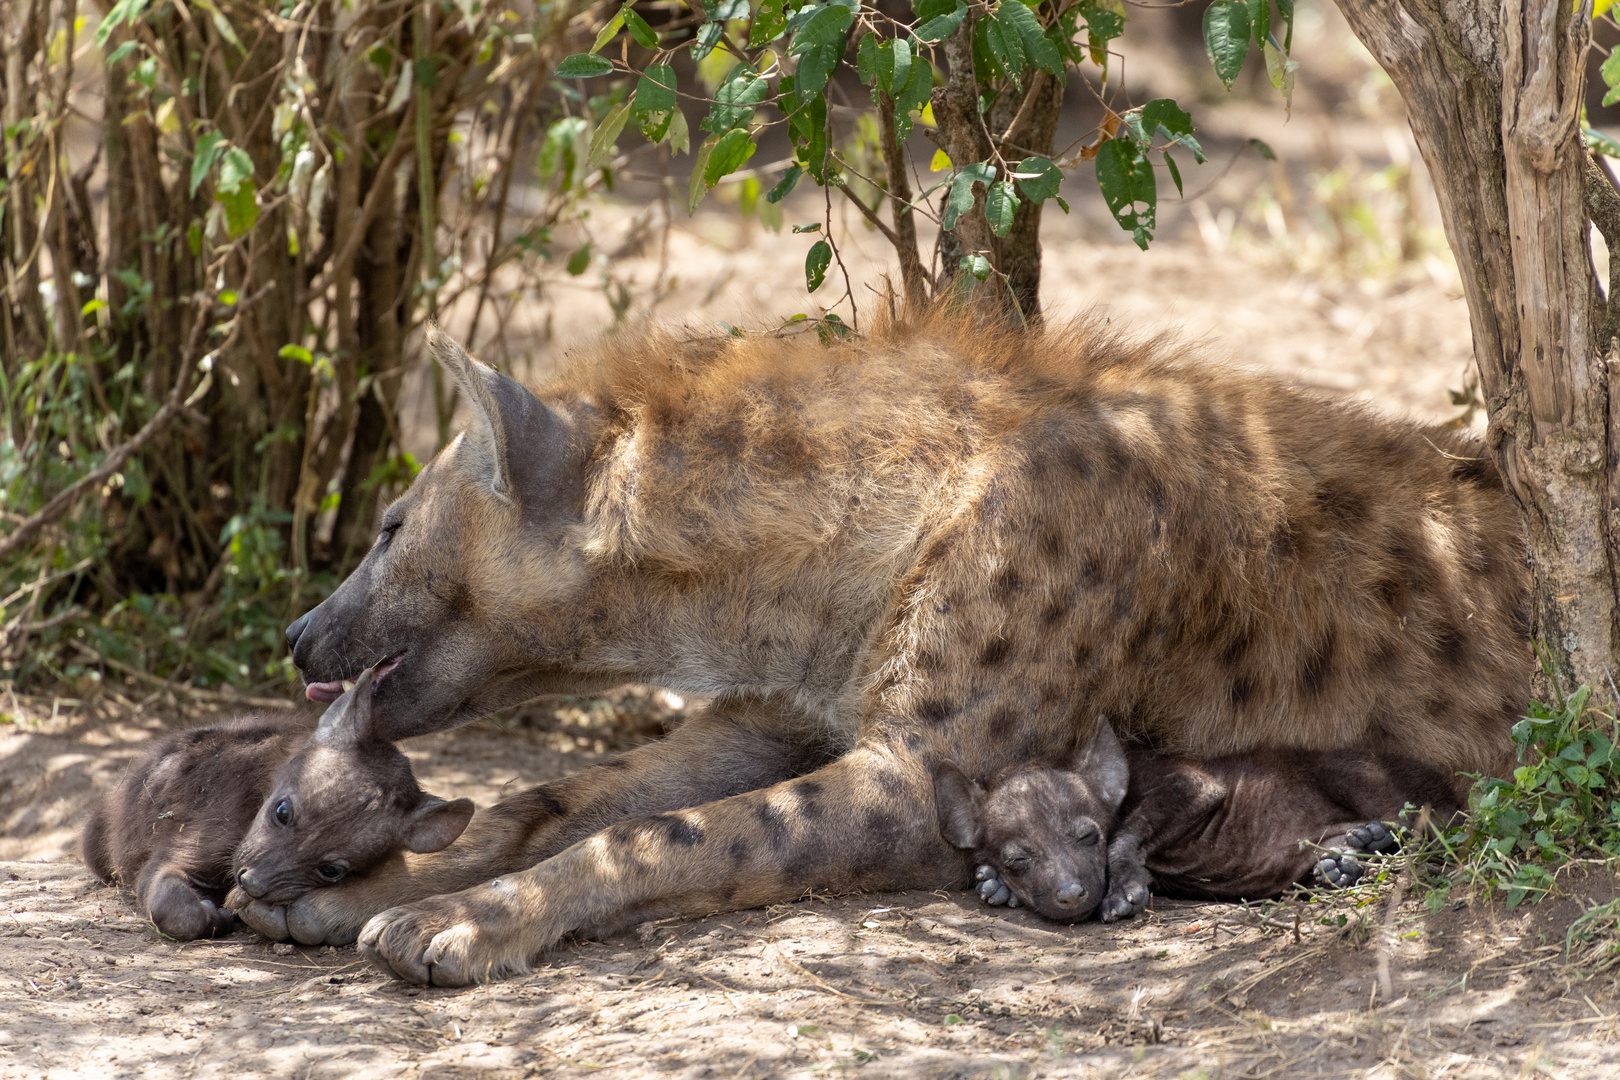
(1124, 899)
(1337, 870)
(992, 890)
(455, 940)
(1373, 838)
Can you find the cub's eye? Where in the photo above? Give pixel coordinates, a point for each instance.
(1017, 862)
(1083, 833)
(282, 812)
(330, 871)
(387, 533)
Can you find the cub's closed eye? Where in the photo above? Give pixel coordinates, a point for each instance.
(282, 813)
(330, 871)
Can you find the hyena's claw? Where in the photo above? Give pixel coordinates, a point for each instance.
(391, 942)
(1123, 902)
(984, 873)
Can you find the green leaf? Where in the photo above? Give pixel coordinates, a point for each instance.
(606, 34)
(915, 94)
(119, 53)
(580, 260)
(866, 59)
(977, 265)
(807, 125)
(770, 21)
(940, 27)
(296, 352)
(1226, 38)
(1170, 120)
(235, 168)
(582, 66)
(708, 36)
(1003, 45)
(607, 131)
(697, 188)
(1264, 149)
(92, 307)
(654, 105)
(816, 66)
(1020, 22)
(125, 11)
(644, 34)
(734, 102)
(1037, 178)
(785, 186)
(1105, 21)
(895, 69)
(1128, 187)
(1259, 12)
(961, 198)
(816, 263)
(211, 146)
(814, 226)
(1174, 170)
(827, 27)
(730, 154)
(1001, 204)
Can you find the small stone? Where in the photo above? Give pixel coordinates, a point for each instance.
(282, 948)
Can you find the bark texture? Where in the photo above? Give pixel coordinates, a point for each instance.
(1492, 92)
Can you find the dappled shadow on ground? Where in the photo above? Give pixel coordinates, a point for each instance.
(904, 985)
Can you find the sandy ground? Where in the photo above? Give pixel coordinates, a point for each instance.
(909, 984)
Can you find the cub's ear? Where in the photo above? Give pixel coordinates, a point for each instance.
(352, 718)
(435, 824)
(1103, 767)
(959, 803)
(477, 381)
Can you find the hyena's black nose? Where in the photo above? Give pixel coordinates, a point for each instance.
(250, 885)
(1071, 894)
(296, 630)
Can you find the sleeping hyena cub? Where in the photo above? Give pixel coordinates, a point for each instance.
(266, 804)
(1099, 833)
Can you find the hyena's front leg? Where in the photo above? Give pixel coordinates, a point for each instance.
(736, 747)
(866, 821)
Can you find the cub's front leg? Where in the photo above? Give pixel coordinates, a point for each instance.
(864, 822)
(744, 746)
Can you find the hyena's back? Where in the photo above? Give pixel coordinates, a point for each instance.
(1218, 560)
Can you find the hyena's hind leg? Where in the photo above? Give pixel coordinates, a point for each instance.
(1338, 867)
(178, 908)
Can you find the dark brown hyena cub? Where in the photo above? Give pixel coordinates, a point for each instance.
(1098, 834)
(296, 807)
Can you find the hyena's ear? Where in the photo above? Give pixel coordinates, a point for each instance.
(435, 824)
(1102, 765)
(477, 382)
(959, 803)
(352, 718)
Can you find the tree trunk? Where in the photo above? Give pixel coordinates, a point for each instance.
(1492, 94)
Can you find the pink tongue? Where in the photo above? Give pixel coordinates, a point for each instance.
(324, 691)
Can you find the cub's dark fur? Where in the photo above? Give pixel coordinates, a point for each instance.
(274, 806)
(1097, 834)
(171, 825)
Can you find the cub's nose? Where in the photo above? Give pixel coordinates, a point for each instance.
(250, 885)
(296, 630)
(1070, 894)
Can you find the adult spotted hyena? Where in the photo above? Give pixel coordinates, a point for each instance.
(934, 543)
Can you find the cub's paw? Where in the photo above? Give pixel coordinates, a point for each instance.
(322, 917)
(1124, 899)
(1337, 870)
(454, 940)
(1373, 838)
(992, 890)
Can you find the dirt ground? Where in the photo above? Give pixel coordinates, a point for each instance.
(905, 985)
